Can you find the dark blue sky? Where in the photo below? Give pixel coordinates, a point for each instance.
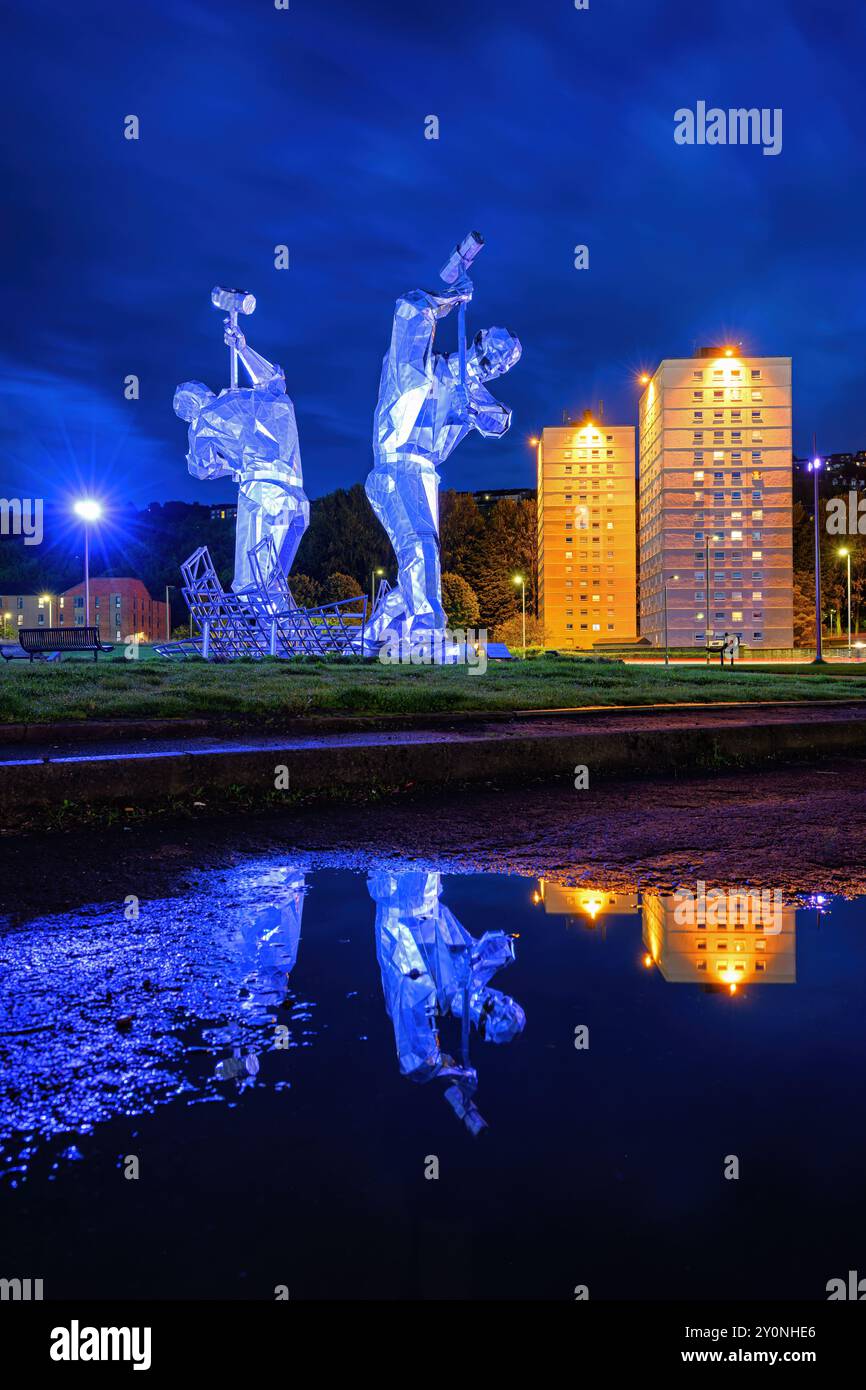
(306, 127)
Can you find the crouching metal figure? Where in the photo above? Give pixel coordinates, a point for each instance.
(250, 434)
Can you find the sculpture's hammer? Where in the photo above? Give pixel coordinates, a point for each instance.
(459, 262)
(233, 302)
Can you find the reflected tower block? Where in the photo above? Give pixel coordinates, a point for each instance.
(752, 948)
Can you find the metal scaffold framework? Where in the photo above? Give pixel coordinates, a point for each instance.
(265, 621)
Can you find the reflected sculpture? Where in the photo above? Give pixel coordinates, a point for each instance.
(249, 434)
(265, 950)
(428, 402)
(432, 968)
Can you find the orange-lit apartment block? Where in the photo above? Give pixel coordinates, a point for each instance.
(587, 556)
(756, 946)
(715, 500)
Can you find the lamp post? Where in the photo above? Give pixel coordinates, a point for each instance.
(847, 553)
(707, 629)
(46, 598)
(815, 468)
(373, 574)
(519, 579)
(168, 612)
(89, 511)
(665, 602)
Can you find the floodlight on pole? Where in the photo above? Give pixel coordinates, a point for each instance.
(89, 510)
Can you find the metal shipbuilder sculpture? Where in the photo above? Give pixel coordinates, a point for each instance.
(264, 950)
(428, 402)
(249, 434)
(432, 968)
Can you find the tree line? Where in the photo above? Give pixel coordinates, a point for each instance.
(343, 548)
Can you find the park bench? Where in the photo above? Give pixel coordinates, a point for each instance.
(13, 651)
(37, 641)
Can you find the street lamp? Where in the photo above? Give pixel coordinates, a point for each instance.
(373, 574)
(46, 598)
(665, 598)
(168, 612)
(89, 511)
(519, 579)
(815, 467)
(847, 553)
(708, 631)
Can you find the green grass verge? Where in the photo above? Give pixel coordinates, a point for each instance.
(256, 695)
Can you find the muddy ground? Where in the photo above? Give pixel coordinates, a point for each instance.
(798, 829)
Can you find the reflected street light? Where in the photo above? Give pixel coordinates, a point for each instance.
(89, 511)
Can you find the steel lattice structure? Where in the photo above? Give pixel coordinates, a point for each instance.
(265, 621)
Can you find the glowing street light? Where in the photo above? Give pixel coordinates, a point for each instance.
(89, 510)
(847, 554)
(46, 598)
(373, 574)
(815, 467)
(644, 378)
(518, 579)
(665, 602)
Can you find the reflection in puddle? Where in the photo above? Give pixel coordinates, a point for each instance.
(721, 938)
(433, 970)
(102, 1017)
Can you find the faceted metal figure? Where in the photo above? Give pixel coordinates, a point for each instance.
(428, 402)
(250, 435)
(432, 968)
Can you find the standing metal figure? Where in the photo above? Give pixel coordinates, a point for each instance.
(428, 402)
